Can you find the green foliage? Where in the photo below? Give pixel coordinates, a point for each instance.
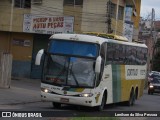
(158, 43)
(156, 62)
(156, 59)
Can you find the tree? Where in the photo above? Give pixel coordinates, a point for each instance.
(156, 60)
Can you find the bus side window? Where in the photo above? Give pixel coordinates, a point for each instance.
(116, 54)
(110, 51)
(131, 55)
(140, 56)
(145, 55)
(144, 58)
(128, 55)
(121, 54)
(134, 55)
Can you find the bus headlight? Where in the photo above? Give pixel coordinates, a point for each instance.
(45, 90)
(151, 86)
(86, 95)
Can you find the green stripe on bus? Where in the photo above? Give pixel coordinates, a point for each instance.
(76, 89)
(116, 85)
(119, 82)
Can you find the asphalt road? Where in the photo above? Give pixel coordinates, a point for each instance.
(147, 102)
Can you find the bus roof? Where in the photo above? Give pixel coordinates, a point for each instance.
(108, 36)
(92, 39)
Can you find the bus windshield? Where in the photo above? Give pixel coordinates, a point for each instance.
(73, 48)
(70, 63)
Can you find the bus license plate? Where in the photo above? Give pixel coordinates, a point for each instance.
(66, 100)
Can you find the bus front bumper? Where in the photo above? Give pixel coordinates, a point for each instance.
(64, 99)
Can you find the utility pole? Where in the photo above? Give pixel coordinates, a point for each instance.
(109, 16)
(153, 34)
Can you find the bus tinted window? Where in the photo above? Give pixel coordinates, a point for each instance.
(144, 60)
(122, 54)
(116, 53)
(73, 48)
(125, 54)
(110, 51)
(138, 55)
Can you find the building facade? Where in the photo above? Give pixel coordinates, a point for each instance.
(12, 37)
(26, 25)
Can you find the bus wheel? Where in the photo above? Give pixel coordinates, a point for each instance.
(131, 100)
(56, 105)
(134, 99)
(101, 107)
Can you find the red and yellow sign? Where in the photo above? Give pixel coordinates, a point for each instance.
(47, 24)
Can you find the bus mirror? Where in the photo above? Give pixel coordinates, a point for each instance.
(39, 56)
(98, 64)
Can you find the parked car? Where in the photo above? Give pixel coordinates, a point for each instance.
(154, 85)
(151, 75)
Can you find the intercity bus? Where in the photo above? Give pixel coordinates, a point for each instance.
(92, 69)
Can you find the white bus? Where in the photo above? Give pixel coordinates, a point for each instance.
(92, 70)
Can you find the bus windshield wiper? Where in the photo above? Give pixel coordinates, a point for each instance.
(74, 77)
(72, 73)
(63, 70)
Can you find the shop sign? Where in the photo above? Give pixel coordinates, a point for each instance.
(47, 24)
(19, 42)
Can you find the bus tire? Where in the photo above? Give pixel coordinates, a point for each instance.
(56, 105)
(131, 100)
(103, 102)
(134, 99)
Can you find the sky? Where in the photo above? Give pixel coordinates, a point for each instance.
(147, 5)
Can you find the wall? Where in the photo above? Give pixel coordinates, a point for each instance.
(136, 19)
(5, 10)
(22, 55)
(118, 27)
(76, 12)
(17, 22)
(4, 41)
(48, 7)
(11, 18)
(94, 16)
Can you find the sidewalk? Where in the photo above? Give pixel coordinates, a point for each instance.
(21, 91)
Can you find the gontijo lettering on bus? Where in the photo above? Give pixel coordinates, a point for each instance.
(135, 72)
